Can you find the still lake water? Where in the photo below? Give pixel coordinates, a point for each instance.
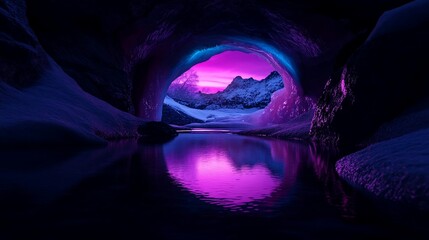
(198, 186)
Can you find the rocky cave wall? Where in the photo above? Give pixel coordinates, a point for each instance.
(382, 80)
(39, 103)
(123, 51)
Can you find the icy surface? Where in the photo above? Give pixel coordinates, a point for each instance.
(396, 169)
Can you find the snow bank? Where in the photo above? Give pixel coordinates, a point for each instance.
(396, 169)
(57, 111)
(396, 165)
(209, 115)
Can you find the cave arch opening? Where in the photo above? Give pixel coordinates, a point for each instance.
(285, 104)
(230, 86)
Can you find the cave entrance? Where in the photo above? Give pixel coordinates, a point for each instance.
(227, 90)
(285, 104)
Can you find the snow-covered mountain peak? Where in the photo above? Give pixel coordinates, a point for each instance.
(239, 94)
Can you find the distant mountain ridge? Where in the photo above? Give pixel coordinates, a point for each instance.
(239, 94)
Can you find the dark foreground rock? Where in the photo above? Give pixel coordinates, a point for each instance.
(156, 132)
(380, 101)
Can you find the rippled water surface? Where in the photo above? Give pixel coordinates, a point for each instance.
(198, 186)
(227, 170)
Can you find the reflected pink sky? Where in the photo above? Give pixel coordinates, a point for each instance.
(212, 175)
(232, 171)
(216, 73)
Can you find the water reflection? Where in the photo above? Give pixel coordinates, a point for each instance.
(197, 185)
(236, 172)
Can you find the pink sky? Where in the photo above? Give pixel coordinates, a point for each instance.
(218, 72)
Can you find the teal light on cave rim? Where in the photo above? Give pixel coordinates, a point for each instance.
(244, 45)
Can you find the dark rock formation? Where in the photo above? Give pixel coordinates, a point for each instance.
(381, 100)
(383, 78)
(156, 132)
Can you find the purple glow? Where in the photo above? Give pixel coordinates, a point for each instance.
(216, 73)
(284, 106)
(343, 81)
(228, 170)
(213, 175)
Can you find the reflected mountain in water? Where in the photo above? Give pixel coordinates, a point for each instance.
(236, 172)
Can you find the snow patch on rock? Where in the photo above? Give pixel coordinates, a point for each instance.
(395, 169)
